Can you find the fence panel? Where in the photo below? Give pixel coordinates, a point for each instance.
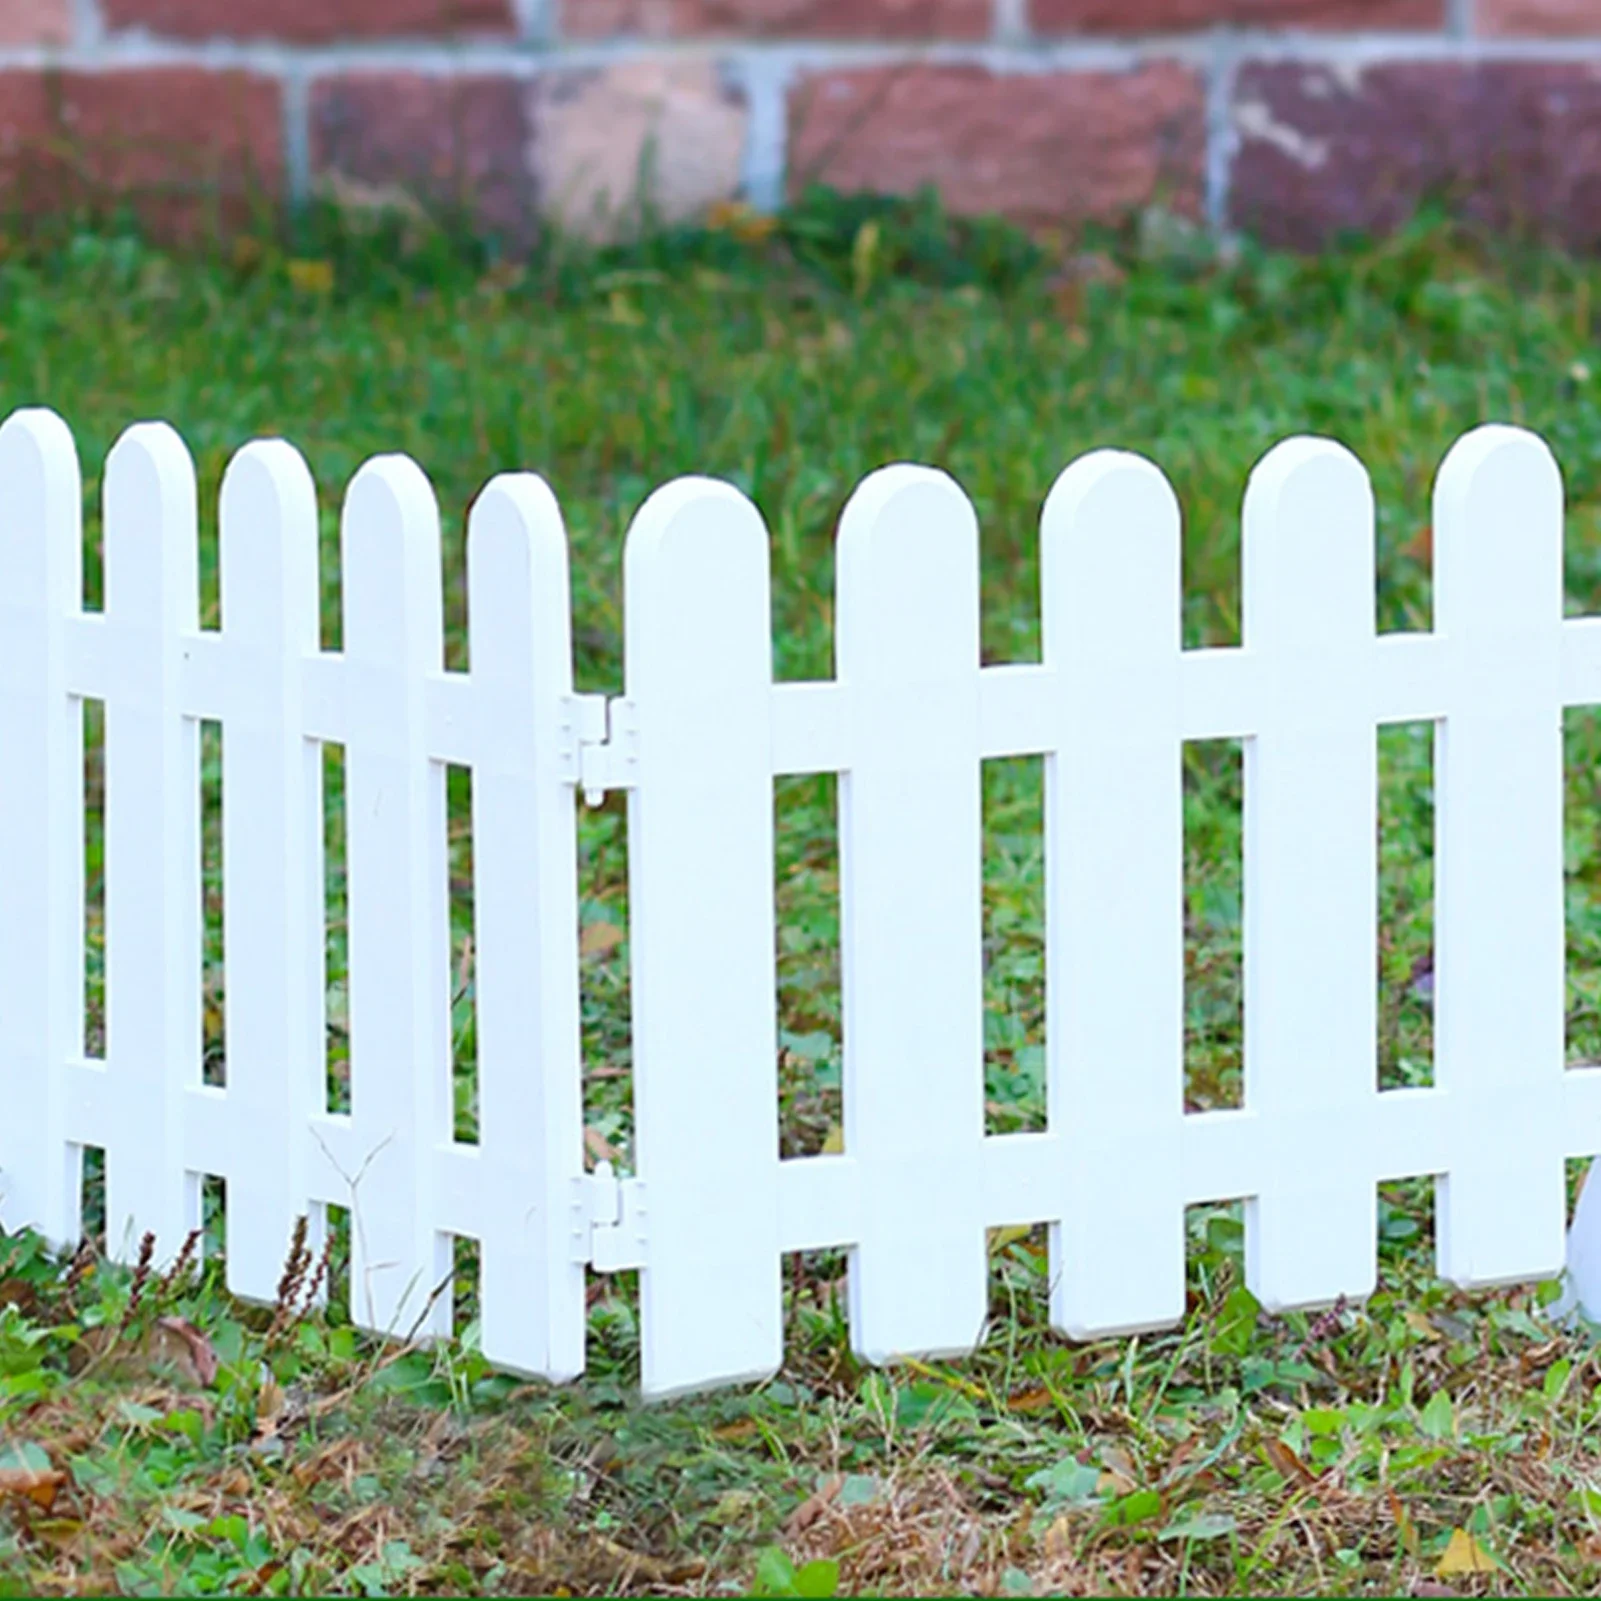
(696, 742)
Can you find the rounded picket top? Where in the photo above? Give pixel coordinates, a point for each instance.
(151, 525)
(41, 515)
(517, 578)
(695, 509)
(1307, 546)
(1498, 508)
(268, 544)
(906, 574)
(1111, 557)
(695, 564)
(37, 445)
(389, 539)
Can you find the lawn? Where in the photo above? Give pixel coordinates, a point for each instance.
(156, 1437)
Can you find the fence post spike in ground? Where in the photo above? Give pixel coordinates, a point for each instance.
(271, 839)
(1114, 841)
(700, 872)
(152, 843)
(525, 915)
(398, 901)
(1499, 915)
(1311, 897)
(41, 822)
(911, 946)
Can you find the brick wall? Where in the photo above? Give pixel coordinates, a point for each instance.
(1289, 118)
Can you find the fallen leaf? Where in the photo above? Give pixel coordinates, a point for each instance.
(814, 1506)
(1059, 1536)
(1288, 1465)
(1463, 1554)
(1034, 1399)
(599, 1147)
(1119, 1477)
(193, 1350)
(20, 1294)
(38, 1485)
(834, 1144)
(739, 1429)
(600, 939)
(1407, 1529)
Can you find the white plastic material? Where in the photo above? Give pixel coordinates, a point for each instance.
(697, 743)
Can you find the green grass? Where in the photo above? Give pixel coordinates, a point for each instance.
(1238, 1453)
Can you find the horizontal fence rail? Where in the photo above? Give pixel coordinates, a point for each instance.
(697, 739)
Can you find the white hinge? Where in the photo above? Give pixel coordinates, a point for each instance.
(600, 740)
(608, 1221)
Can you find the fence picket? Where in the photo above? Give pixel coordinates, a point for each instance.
(41, 823)
(398, 902)
(1311, 909)
(526, 927)
(271, 851)
(152, 844)
(1114, 841)
(700, 866)
(1498, 872)
(911, 885)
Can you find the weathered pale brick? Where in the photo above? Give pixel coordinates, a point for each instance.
(36, 22)
(669, 131)
(192, 150)
(796, 19)
(1507, 144)
(1181, 16)
(311, 21)
(577, 146)
(453, 146)
(1539, 18)
(1045, 148)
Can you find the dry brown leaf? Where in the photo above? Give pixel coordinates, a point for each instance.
(1288, 1465)
(192, 1349)
(1034, 1399)
(38, 1485)
(814, 1506)
(1058, 1540)
(599, 1147)
(600, 939)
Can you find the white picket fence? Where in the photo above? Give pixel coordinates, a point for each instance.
(697, 740)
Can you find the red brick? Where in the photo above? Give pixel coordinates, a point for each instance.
(1045, 148)
(35, 21)
(191, 150)
(1538, 17)
(310, 21)
(798, 19)
(456, 146)
(1506, 144)
(1182, 16)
